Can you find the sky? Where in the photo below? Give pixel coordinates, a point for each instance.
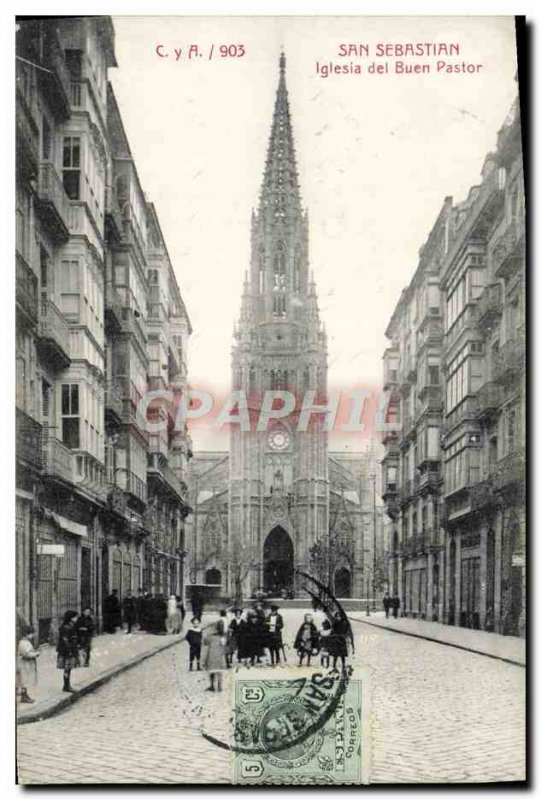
(376, 153)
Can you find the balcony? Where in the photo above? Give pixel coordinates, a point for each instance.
(114, 223)
(112, 309)
(508, 252)
(509, 471)
(58, 459)
(54, 337)
(131, 324)
(430, 479)
(55, 79)
(26, 291)
(481, 495)
(114, 402)
(117, 500)
(90, 474)
(28, 440)
(27, 138)
(53, 204)
(432, 392)
(157, 466)
(510, 361)
(488, 400)
(489, 306)
(406, 492)
(414, 545)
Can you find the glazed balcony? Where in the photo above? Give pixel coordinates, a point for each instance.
(28, 440)
(489, 306)
(53, 204)
(510, 361)
(429, 479)
(26, 291)
(132, 324)
(54, 336)
(113, 216)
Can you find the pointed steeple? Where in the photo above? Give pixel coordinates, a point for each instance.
(280, 188)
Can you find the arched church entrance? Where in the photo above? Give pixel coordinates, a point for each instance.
(277, 561)
(342, 582)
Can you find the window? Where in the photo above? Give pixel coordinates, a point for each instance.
(69, 290)
(511, 429)
(433, 374)
(71, 166)
(70, 415)
(74, 63)
(279, 305)
(391, 479)
(279, 267)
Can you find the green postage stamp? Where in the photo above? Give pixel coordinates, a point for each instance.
(301, 726)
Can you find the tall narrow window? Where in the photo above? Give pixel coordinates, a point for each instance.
(71, 166)
(279, 267)
(46, 140)
(70, 415)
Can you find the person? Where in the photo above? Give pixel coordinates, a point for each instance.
(129, 610)
(215, 656)
(274, 625)
(338, 646)
(306, 640)
(243, 635)
(386, 603)
(27, 668)
(160, 613)
(194, 634)
(85, 631)
(174, 617)
(396, 605)
(182, 610)
(324, 642)
(67, 650)
(111, 612)
(139, 608)
(233, 636)
(260, 632)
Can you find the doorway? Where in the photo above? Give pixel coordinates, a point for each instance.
(278, 561)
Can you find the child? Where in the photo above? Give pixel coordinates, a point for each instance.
(193, 637)
(215, 655)
(85, 631)
(27, 670)
(325, 643)
(306, 640)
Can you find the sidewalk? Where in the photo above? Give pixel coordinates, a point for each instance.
(505, 648)
(111, 654)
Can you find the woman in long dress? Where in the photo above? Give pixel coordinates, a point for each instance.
(215, 662)
(174, 615)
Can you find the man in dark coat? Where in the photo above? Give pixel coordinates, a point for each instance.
(160, 614)
(386, 603)
(396, 605)
(274, 625)
(129, 610)
(111, 612)
(139, 608)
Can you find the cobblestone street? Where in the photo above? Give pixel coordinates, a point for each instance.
(439, 714)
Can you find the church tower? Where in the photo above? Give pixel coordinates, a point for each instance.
(278, 483)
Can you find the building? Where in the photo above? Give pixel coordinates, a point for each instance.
(279, 501)
(83, 358)
(458, 550)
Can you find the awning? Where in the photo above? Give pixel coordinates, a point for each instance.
(68, 525)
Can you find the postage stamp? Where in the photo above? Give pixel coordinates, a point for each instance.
(300, 726)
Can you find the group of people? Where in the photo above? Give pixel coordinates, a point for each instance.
(153, 613)
(391, 604)
(72, 650)
(256, 634)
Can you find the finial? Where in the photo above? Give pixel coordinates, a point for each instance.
(282, 62)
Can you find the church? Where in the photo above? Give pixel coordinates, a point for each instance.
(279, 501)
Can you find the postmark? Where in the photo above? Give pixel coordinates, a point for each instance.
(283, 732)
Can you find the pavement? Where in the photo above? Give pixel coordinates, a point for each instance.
(111, 654)
(504, 648)
(440, 714)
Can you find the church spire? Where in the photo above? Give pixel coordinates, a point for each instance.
(280, 188)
